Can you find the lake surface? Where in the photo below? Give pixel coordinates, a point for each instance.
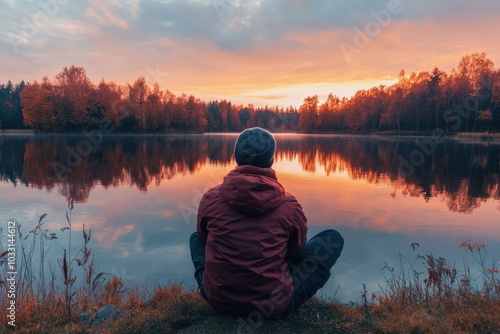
(139, 195)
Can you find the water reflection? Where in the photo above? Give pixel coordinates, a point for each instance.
(139, 195)
(464, 174)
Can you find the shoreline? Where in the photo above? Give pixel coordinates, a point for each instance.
(472, 137)
(18, 131)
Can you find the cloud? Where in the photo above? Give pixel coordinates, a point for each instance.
(232, 48)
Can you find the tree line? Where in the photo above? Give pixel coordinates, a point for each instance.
(465, 100)
(72, 103)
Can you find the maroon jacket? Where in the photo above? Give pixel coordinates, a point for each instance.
(251, 226)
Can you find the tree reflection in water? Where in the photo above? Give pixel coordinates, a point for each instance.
(464, 174)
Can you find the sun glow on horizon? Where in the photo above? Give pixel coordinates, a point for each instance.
(286, 94)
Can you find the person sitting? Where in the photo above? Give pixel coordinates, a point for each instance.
(250, 252)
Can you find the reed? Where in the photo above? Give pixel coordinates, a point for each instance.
(44, 290)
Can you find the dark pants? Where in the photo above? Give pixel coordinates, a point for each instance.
(310, 270)
(198, 257)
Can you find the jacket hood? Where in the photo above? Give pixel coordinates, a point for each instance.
(253, 191)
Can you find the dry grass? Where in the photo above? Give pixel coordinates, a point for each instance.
(439, 299)
(424, 295)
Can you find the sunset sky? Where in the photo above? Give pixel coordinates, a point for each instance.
(267, 52)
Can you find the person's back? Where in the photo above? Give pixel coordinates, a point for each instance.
(250, 230)
(252, 227)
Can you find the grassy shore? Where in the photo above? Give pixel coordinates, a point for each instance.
(422, 295)
(175, 310)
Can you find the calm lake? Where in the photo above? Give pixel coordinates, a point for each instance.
(139, 195)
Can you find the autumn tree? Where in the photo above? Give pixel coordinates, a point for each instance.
(180, 121)
(166, 116)
(105, 104)
(328, 112)
(375, 104)
(233, 119)
(309, 114)
(72, 93)
(393, 115)
(37, 106)
(195, 115)
(434, 86)
(154, 107)
(478, 70)
(137, 96)
(107, 100)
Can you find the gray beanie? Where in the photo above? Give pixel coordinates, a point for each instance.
(255, 146)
